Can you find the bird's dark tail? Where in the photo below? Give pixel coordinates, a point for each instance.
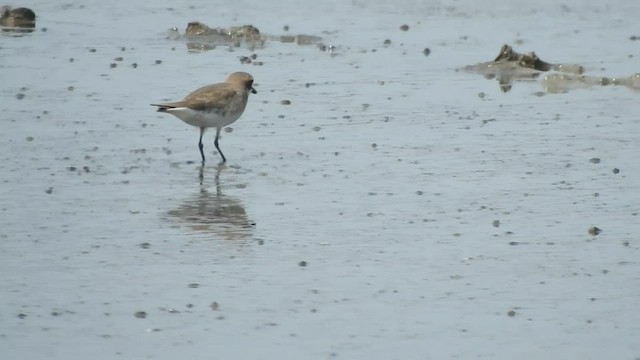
(162, 108)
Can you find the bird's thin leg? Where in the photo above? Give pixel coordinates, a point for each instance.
(215, 142)
(200, 146)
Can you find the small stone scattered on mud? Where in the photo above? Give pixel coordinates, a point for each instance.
(215, 306)
(134, 65)
(496, 223)
(594, 231)
(426, 51)
(245, 60)
(71, 60)
(481, 95)
(193, 285)
(92, 50)
(594, 160)
(302, 263)
(616, 170)
(285, 28)
(29, 138)
(144, 245)
(20, 96)
(404, 27)
(374, 145)
(285, 102)
(158, 62)
(634, 37)
(316, 128)
(113, 65)
(49, 190)
(71, 88)
(119, 58)
(387, 42)
(22, 316)
(140, 314)
(329, 48)
(253, 56)
(511, 313)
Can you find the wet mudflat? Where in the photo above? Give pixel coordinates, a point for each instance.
(376, 202)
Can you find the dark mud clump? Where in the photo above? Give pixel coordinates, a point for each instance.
(18, 19)
(528, 60)
(594, 231)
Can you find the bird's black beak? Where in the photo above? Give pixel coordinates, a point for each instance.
(249, 86)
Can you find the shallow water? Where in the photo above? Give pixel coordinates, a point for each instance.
(397, 208)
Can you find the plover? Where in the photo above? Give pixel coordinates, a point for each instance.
(216, 105)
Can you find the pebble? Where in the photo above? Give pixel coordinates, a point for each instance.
(140, 314)
(594, 231)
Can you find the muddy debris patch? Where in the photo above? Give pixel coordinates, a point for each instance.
(201, 37)
(510, 66)
(18, 20)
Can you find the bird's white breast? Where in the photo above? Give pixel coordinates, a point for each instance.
(204, 118)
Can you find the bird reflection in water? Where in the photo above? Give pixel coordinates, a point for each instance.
(214, 212)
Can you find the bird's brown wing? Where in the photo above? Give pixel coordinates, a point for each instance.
(215, 96)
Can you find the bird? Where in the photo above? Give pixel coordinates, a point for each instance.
(216, 105)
